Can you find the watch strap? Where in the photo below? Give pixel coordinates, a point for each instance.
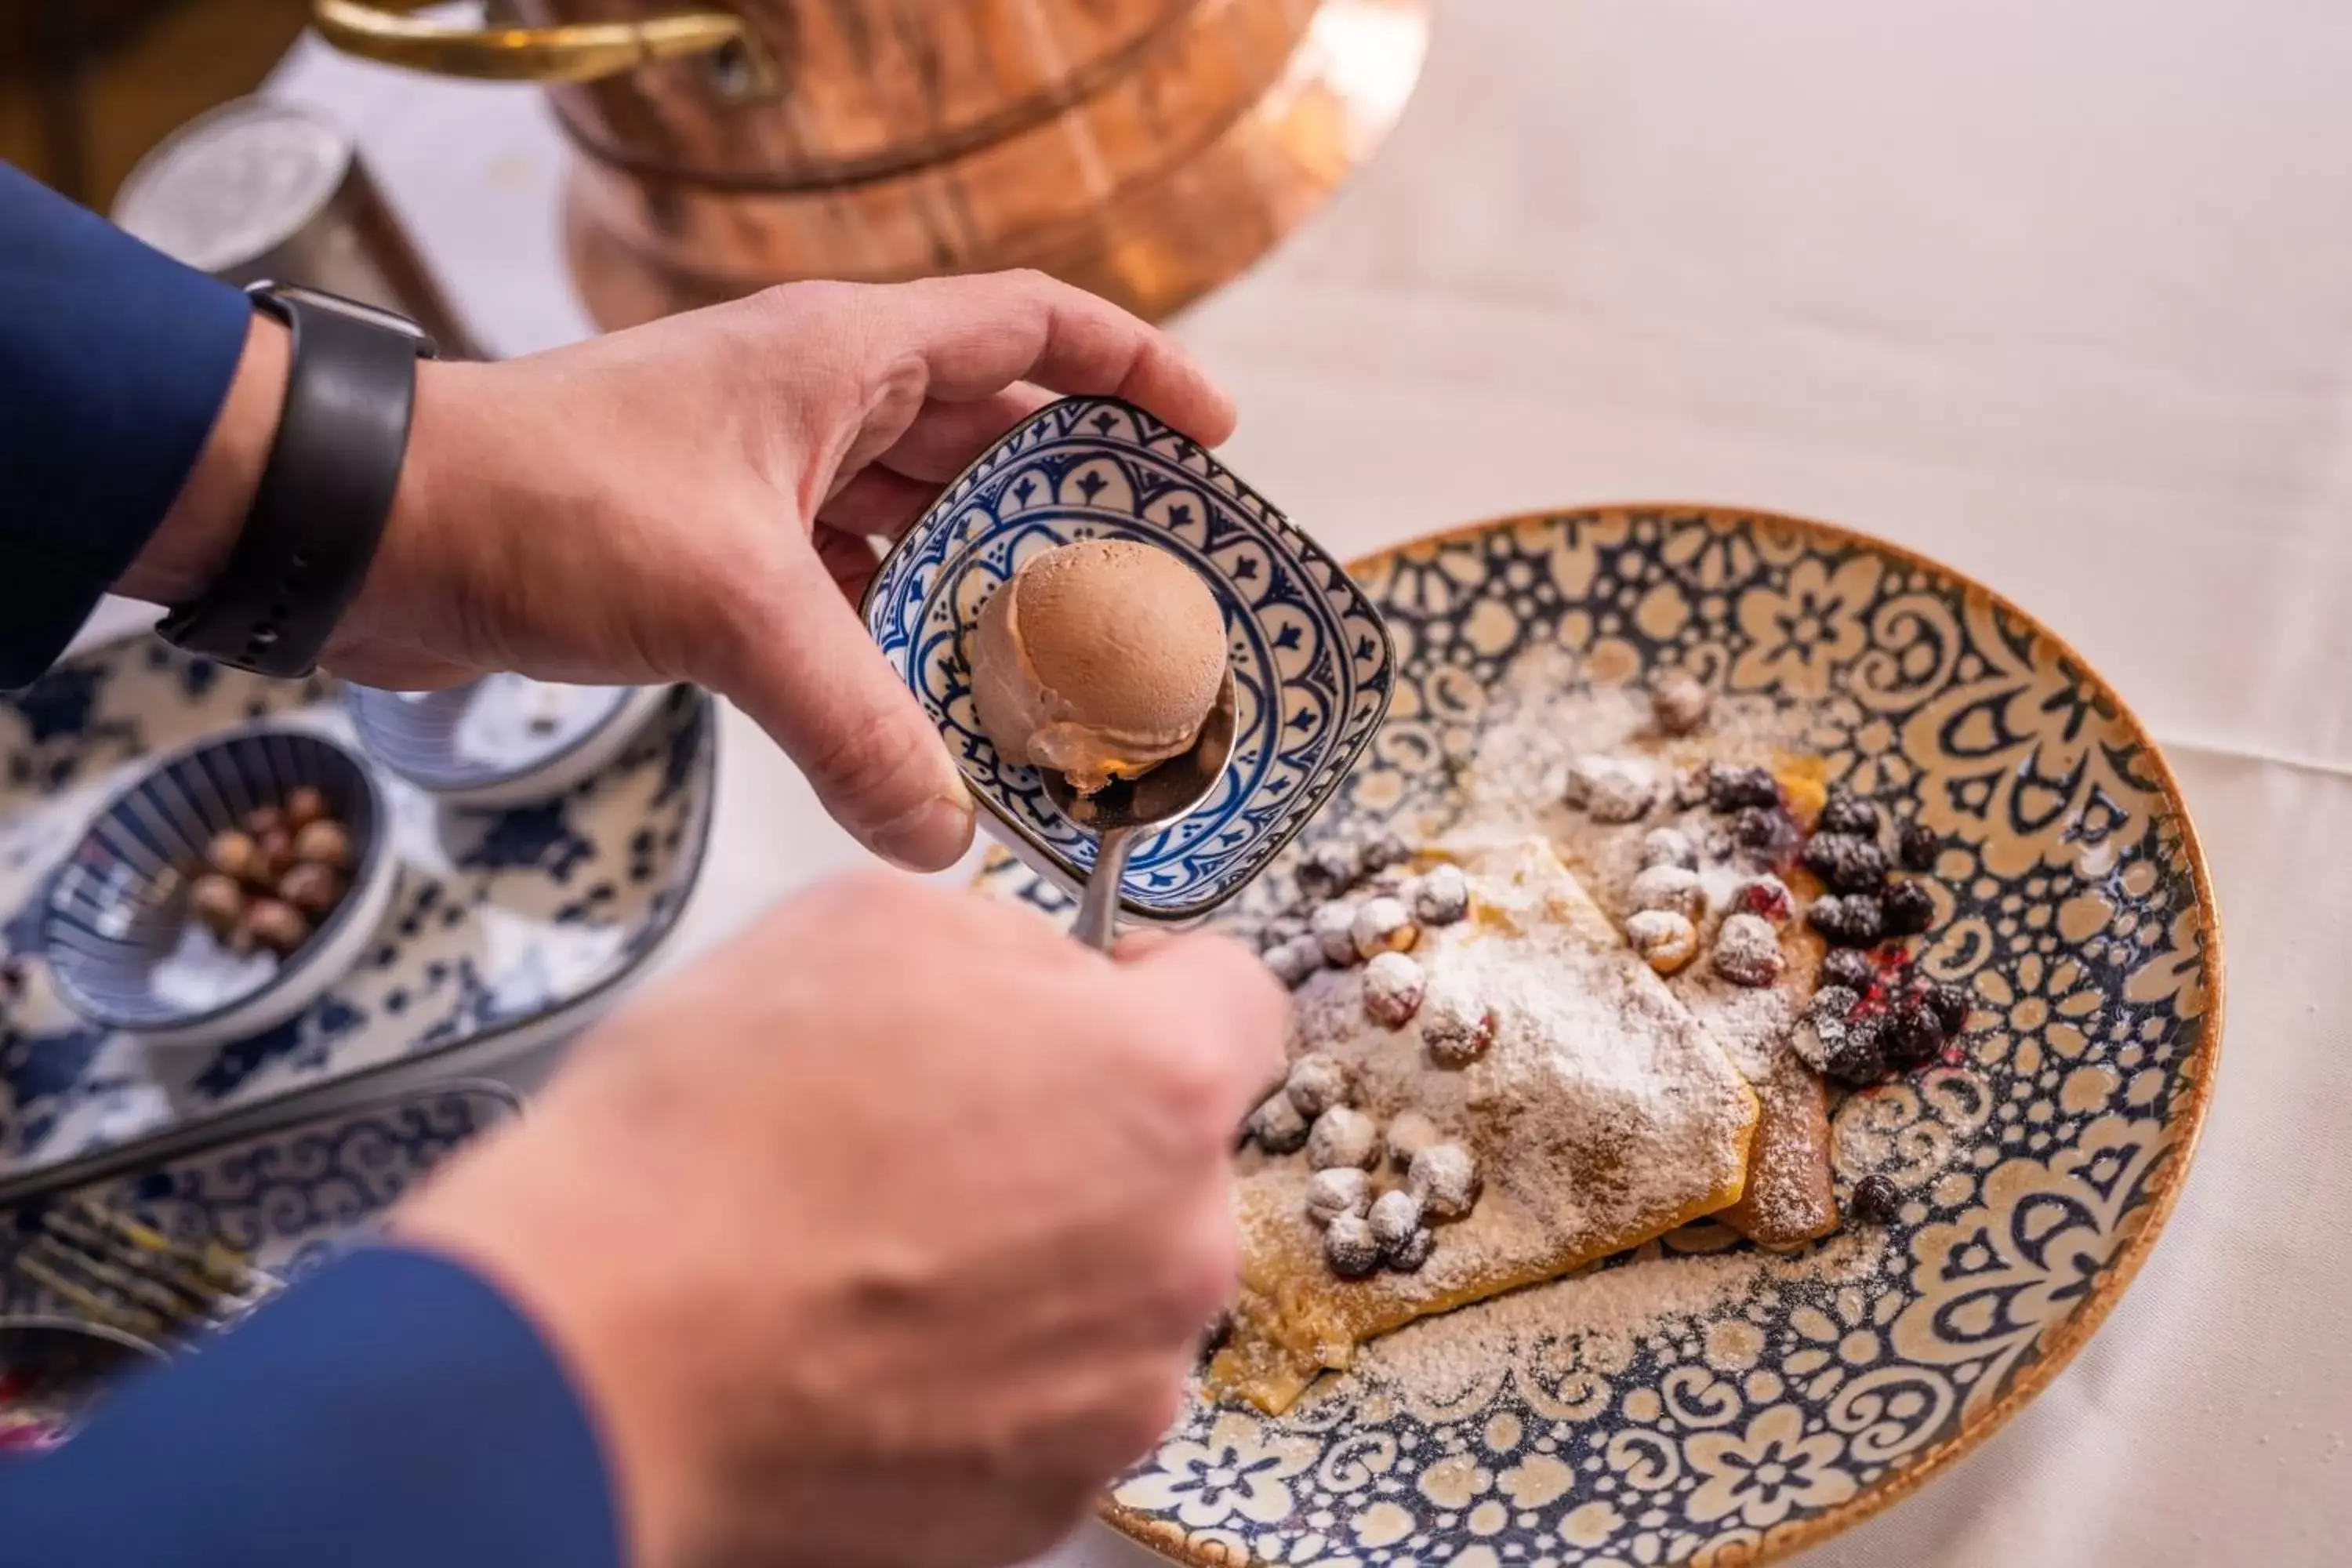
(325, 493)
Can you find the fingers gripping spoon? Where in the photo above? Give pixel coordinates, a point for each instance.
(1122, 809)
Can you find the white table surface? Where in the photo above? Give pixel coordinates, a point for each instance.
(2057, 291)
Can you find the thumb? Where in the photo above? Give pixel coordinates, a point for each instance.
(808, 674)
(1234, 1007)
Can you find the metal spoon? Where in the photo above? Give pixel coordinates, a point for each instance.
(1125, 807)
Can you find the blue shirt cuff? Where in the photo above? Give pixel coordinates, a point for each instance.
(391, 1412)
(114, 361)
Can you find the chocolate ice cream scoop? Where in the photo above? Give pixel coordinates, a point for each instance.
(1098, 660)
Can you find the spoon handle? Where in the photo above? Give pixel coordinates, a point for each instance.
(1097, 921)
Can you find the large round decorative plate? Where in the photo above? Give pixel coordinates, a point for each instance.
(1758, 1405)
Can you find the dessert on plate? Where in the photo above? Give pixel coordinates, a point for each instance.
(1614, 994)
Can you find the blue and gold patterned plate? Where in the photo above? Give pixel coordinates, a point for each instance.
(288, 1195)
(1311, 662)
(504, 926)
(1701, 1401)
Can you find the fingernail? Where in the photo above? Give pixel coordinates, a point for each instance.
(930, 838)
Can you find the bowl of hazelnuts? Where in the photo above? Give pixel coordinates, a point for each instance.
(222, 891)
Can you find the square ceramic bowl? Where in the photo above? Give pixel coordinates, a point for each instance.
(1311, 661)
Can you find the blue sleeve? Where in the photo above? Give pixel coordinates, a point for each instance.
(114, 360)
(392, 1412)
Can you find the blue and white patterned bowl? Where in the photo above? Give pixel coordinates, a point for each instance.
(504, 740)
(1311, 661)
(121, 944)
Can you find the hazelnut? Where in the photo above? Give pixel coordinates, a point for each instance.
(1295, 960)
(275, 858)
(1384, 925)
(1395, 1216)
(1440, 895)
(304, 806)
(1669, 887)
(1747, 950)
(1668, 846)
(1680, 701)
(217, 901)
(1317, 1081)
(1330, 1194)
(234, 853)
(1334, 925)
(1276, 1125)
(279, 927)
(313, 889)
(1455, 1026)
(1408, 1133)
(1666, 941)
(325, 843)
(1446, 1178)
(1350, 1247)
(264, 819)
(1343, 1138)
(1393, 983)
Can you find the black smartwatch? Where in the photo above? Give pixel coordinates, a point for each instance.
(318, 512)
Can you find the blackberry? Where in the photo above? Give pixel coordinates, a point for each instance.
(1855, 1060)
(1876, 1199)
(1848, 862)
(1918, 846)
(1385, 848)
(1913, 1035)
(1846, 967)
(1910, 909)
(1951, 1005)
(1730, 788)
(1833, 1004)
(1756, 825)
(1856, 920)
(1846, 812)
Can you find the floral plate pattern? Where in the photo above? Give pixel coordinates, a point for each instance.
(1310, 662)
(501, 921)
(2037, 1171)
(288, 1197)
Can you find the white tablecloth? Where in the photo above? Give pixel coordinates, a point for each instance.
(2057, 291)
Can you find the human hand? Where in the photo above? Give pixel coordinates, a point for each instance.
(698, 500)
(857, 1268)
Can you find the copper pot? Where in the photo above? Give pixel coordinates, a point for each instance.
(1146, 149)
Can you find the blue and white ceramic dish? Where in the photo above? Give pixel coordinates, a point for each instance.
(1696, 1400)
(1310, 657)
(505, 928)
(289, 1195)
(122, 946)
(503, 740)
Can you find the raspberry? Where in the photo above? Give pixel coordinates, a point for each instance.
(1766, 895)
(1846, 812)
(1909, 907)
(1918, 846)
(1876, 1199)
(1729, 788)
(1854, 922)
(1847, 862)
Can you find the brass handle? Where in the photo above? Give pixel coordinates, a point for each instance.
(581, 51)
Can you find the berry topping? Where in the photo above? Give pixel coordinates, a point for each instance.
(1846, 812)
(1767, 896)
(1278, 1126)
(1876, 1199)
(1446, 1178)
(1909, 907)
(1730, 788)
(1668, 846)
(1455, 1026)
(1912, 1036)
(1348, 1247)
(1854, 1059)
(1440, 895)
(1842, 966)
(1317, 1081)
(1383, 847)
(1393, 983)
(1759, 827)
(1848, 862)
(1407, 1255)
(1951, 1005)
(1853, 921)
(1330, 1194)
(1918, 846)
(1343, 1139)
(1330, 869)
